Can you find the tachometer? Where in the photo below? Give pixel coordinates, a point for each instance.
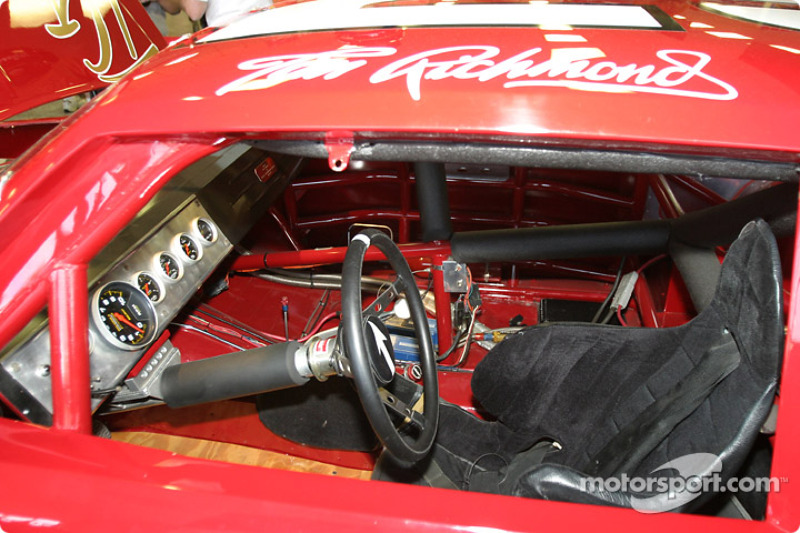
(124, 315)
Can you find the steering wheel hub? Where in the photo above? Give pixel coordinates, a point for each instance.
(380, 350)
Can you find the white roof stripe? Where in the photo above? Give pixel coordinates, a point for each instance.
(353, 14)
(785, 18)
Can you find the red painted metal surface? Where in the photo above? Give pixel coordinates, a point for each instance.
(93, 482)
(752, 66)
(329, 256)
(110, 474)
(444, 322)
(69, 349)
(62, 48)
(20, 137)
(99, 190)
(649, 316)
(536, 197)
(62, 202)
(287, 229)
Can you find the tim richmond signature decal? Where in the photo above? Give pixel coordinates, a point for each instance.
(671, 72)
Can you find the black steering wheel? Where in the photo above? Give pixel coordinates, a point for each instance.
(370, 359)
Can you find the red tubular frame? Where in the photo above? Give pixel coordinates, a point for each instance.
(646, 306)
(330, 256)
(670, 206)
(698, 190)
(286, 228)
(438, 251)
(444, 323)
(69, 352)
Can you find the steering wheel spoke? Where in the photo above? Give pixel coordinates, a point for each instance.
(381, 303)
(408, 415)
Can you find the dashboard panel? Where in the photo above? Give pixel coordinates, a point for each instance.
(155, 264)
(130, 306)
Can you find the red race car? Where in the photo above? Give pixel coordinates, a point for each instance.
(398, 265)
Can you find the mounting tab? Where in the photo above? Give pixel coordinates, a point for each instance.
(339, 145)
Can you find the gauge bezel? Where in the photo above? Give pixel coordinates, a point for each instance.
(106, 335)
(199, 234)
(160, 270)
(155, 279)
(176, 245)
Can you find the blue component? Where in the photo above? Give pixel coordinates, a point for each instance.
(404, 342)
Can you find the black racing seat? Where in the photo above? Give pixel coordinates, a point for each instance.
(577, 404)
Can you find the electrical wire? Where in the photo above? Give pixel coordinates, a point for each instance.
(269, 336)
(318, 327)
(609, 315)
(430, 282)
(463, 358)
(321, 305)
(507, 330)
(639, 271)
(619, 316)
(467, 303)
(318, 281)
(235, 323)
(614, 288)
(208, 334)
(451, 368)
(227, 331)
(453, 346)
(309, 280)
(650, 262)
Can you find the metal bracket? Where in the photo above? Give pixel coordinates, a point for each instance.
(361, 226)
(339, 145)
(147, 384)
(456, 279)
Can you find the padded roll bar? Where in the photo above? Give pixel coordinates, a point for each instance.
(714, 226)
(434, 206)
(562, 242)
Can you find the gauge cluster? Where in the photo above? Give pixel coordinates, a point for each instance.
(131, 305)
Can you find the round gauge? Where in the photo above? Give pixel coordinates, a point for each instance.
(124, 315)
(206, 230)
(169, 266)
(188, 247)
(149, 286)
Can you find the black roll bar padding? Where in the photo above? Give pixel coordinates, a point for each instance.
(232, 375)
(700, 269)
(562, 242)
(695, 235)
(434, 205)
(706, 228)
(721, 224)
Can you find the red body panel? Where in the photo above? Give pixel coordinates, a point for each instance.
(69, 196)
(53, 51)
(356, 101)
(182, 494)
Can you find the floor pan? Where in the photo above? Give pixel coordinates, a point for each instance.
(235, 453)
